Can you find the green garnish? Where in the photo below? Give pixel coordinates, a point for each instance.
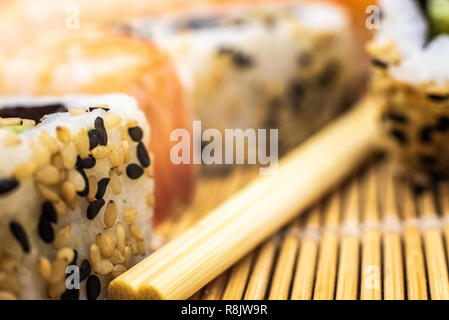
(438, 14)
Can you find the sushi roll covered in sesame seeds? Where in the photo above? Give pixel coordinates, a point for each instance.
(264, 65)
(76, 194)
(411, 77)
(95, 61)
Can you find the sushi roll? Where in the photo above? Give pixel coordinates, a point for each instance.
(411, 79)
(76, 192)
(97, 61)
(263, 65)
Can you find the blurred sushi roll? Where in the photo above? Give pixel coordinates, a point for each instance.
(265, 65)
(76, 193)
(411, 78)
(97, 61)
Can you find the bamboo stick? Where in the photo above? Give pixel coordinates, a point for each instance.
(434, 248)
(327, 260)
(392, 257)
(238, 279)
(305, 268)
(260, 276)
(443, 191)
(215, 289)
(348, 270)
(414, 257)
(283, 274)
(189, 262)
(370, 286)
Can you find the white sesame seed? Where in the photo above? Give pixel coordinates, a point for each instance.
(11, 140)
(93, 187)
(105, 244)
(48, 174)
(103, 267)
(24, 170)
(69, 155)
(151, 200)
(128, 256)
(47, 193)
(63, 134)
(110, 215)
(58, 268)
(126, 154)
(62, 237)
(136, 232)
(117, 257)
(9, 264)
(95, 255)
(82, 143)
(44, 267)
(74, 177)
(41, 156)
(48, 141)
(116, 185)
(68, 191)
(67, 254)
(101, 152)
(130, 215)
(111, 120)
(132, 243)
(121, 237)
(60, 207)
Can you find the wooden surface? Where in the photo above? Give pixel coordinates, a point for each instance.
(371, 238)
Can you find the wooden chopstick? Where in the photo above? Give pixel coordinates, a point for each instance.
(186, 264)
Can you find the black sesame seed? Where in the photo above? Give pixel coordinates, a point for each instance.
(72, 294)
(99, 125)
(296, 94)
(45, 229)
(7, 185)
(102, 185)
(93, 287)
(425, 134)
(142, 155)
(379, 63)
(395, 116)
(94, 208)
(94, 138)
(84, 192)
(19, 233)
(134, 171)
(438, 97)
(443, 123)
(242, 61)
(427, 160)
(135, 133)
(86, 163)
(84, 270)
(329, 74)
(95, 108)
(49, 211)
(399, 136)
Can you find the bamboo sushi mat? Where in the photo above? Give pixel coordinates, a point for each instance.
(371, 238)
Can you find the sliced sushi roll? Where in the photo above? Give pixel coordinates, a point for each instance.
(411, 77)
(265, 65)
(96, 61)
(76, 194)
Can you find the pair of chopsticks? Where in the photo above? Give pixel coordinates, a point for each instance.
(187, 263)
